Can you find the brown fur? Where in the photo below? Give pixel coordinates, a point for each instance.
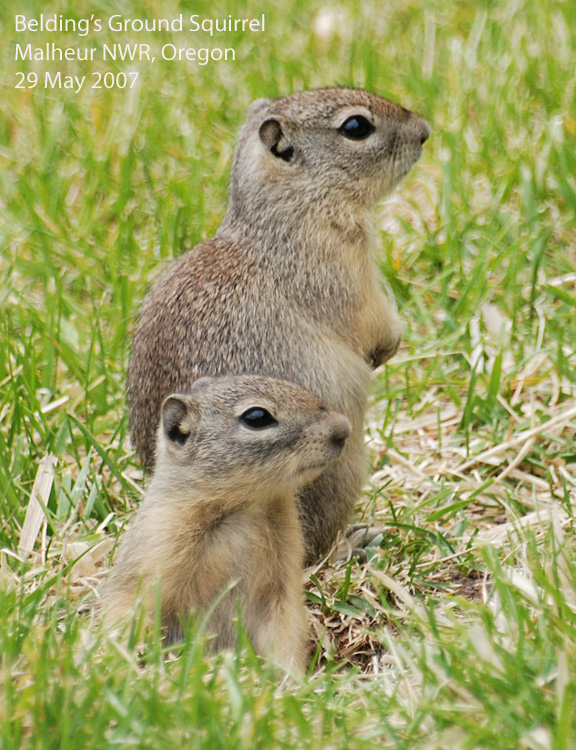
(220, 513)
(288, 287)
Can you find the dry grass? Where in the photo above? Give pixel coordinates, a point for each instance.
(459, 628)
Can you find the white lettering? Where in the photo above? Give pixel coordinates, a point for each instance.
(126, 52)
(203, 55)
(63, 82)
(23, 54)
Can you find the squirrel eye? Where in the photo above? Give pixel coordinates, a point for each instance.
(356, 128)
(258, 418)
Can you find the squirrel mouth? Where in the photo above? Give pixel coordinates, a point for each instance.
(319, 466)
(313, 468)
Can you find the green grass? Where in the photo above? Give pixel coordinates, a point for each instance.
(461, 632)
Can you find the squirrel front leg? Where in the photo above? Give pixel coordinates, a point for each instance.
(284, 636)
(386, 331)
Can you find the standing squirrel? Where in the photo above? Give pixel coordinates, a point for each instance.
(289, 285)
(219, 523)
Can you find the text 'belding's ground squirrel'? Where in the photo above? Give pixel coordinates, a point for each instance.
(219, 518)
(289, 285)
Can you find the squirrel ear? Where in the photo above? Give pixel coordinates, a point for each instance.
(258, 104)
(179, 418)
(275, 139)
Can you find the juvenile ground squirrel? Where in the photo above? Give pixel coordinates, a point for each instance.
(220, 512)
(289, 286)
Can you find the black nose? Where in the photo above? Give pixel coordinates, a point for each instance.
(338, 442)
(424, 131)
(340, 433)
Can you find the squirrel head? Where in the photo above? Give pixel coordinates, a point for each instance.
(343, 146)
(247, 431)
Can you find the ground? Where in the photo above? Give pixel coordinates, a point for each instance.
(459, 628)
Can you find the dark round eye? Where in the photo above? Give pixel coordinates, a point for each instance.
(257, 418)
(356, 128)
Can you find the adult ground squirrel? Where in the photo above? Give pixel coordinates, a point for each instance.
(219, 518)
(289, 286)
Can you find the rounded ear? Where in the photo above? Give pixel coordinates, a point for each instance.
(201, 383)
(274, 137)
(180, 417)
(258, 104)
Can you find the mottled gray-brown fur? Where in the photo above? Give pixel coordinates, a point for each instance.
(288, 287)
(220, 518)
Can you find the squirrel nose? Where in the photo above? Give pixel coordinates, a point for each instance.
(423, 130)
(417, 128)
(340, 432)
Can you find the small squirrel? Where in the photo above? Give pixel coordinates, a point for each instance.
(219, 522)
(289, 285)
